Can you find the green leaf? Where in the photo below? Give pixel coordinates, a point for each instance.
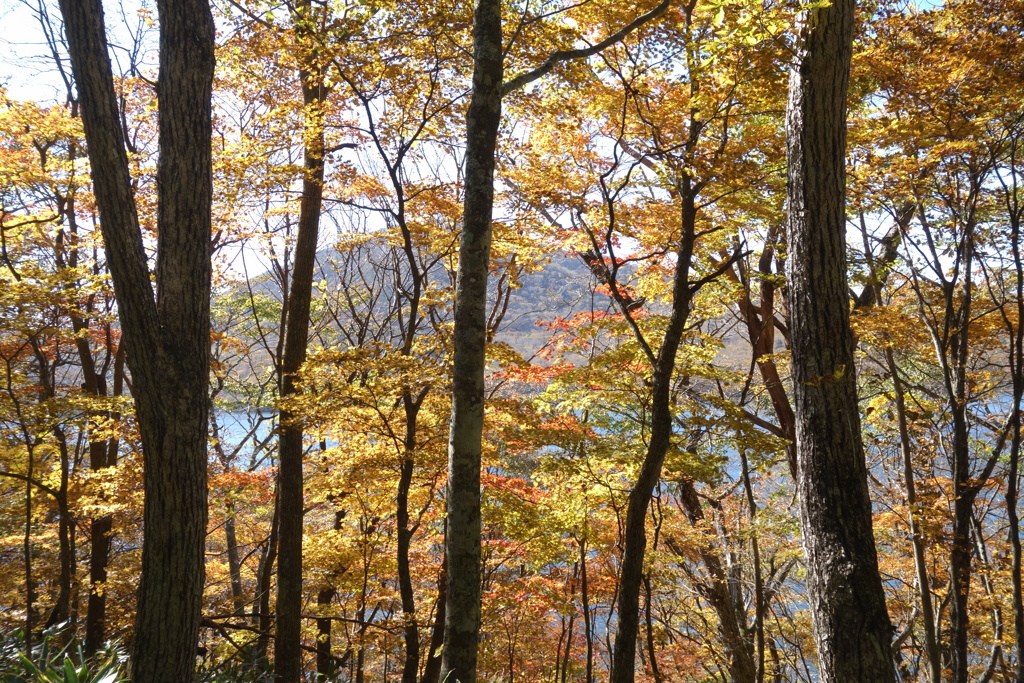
(70, 675)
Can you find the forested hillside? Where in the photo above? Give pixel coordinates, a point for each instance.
(648, 501)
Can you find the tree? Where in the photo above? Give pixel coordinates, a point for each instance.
(462, 545)
(167, 334)
(851, 624)
(287, 644)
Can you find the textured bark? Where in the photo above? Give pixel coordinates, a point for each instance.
(851, 625)
(462, 545)
(167, 335)
(288, 643)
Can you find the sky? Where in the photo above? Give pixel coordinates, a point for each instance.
(26, 61)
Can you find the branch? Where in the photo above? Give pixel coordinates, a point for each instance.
(33, 482)
(772, 429)
(566, 55)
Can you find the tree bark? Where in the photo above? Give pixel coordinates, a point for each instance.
(851, 625)
(288, 640)
(462, 545)
(166, 335)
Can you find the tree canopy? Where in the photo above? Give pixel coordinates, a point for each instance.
(587, 205)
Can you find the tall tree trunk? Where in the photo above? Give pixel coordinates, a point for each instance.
(410, 669)
(851, 625)
(663, 365)
(588, 626)
(288, 641)
(462, 542)
(166, 336)
(462, 545)
(1013, 474)
(960, 553)
(102, 454)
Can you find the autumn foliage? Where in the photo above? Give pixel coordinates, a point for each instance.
(602, 167)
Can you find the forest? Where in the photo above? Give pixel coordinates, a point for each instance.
(512, 341)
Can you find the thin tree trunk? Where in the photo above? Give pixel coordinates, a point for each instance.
(960, 555)
(872, 295)
(462, 543)
(565, 657)
(737, 647)
(1013, 474)
(851, 625)
(325, 662)
(30, 590)
(288, 641)
(102, 454)
(917, 539)
(759, 592)
(588, 627)
(663, 365)
(65, 539)
(263, 575)
(234, 562)
(649, 624)
(410, 668)
(432, 670)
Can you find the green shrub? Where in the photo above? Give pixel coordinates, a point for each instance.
(58, 659)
